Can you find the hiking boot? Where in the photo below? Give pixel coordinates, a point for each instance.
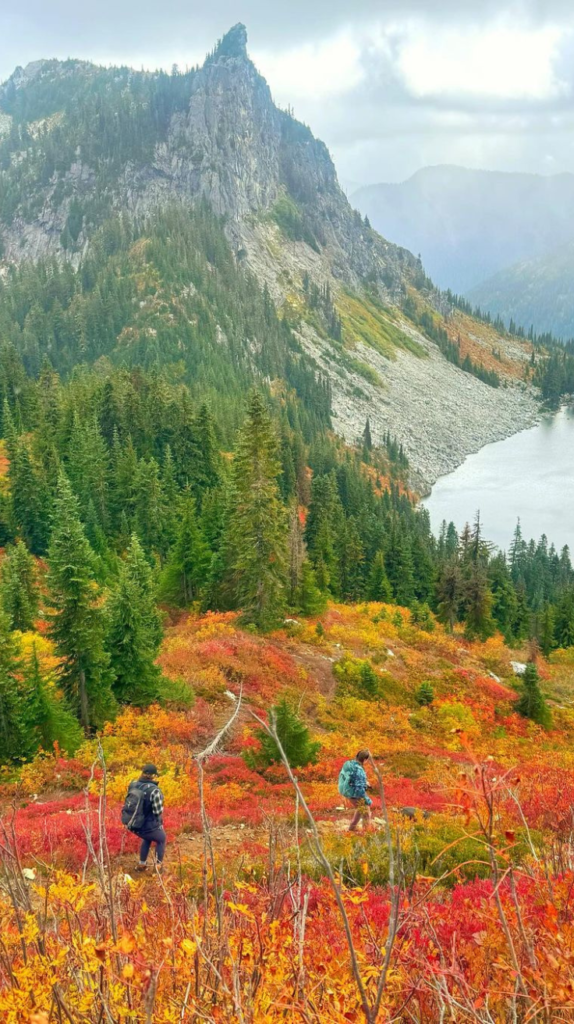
(141, 867)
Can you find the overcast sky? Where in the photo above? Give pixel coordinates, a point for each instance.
(389, 85)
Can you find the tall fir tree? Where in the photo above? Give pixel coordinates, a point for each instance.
(504, 603)
(296, 554)
(308, 598)
(478, 604)
(50, 720)
(367, 442)
(449, 594)
(400, 568)
(186, 571)
(564, 625)
(28, 490)
(134, 632)
(547, 637)
(257, 525)
(15, 736)
(378, 586)
(150, 510)
(77, 621)
(323, 521)
(351, 561)
(206, 465)
(19, 587)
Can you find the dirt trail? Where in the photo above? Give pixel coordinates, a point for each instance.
(233, 838)
(317, 665)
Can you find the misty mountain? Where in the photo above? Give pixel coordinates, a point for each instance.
(537, 292)
(468, 225)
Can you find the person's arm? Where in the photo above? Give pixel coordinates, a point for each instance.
(156, 800)
(363, 784)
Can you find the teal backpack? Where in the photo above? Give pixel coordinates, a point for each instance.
(346, 775)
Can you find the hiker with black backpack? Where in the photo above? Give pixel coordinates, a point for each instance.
(142, 814)
(353, 785)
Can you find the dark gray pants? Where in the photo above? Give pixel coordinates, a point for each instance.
(154, 835)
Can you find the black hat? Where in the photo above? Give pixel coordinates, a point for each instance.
(149, 769)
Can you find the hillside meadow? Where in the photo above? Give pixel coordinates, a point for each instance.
(459, 911)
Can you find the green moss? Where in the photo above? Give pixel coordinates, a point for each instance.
(366, 320)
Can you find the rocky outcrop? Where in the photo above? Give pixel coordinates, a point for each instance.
(235, 148)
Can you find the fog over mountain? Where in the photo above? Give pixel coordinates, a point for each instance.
(539, 291)
(468, 225)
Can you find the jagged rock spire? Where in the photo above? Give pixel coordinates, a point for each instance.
(234, 43)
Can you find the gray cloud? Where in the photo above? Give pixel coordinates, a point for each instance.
(123, 28)
(378, 129)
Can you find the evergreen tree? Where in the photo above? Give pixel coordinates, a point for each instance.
(123, 485)
(401, 570)
(257, 521)
(449, 594)
(186, 571)
(134, 632)
(531, 703)
(50, 720)
(378, 586)
(149, 507)
(171, 496)
(206, 465)
(547, 639)
(296, 555)
(15, 738)
(87, 469)
(423, 567)
(293, 735)
(504, 601)
(564, 628)
(425, 694)
(421, 616)
(325, 513)
(308, 598)
(19, 589)
(367, 442)
(521, 621)
(77, 622)
(478, 604)
(517, 554)
(351, 561)
(288, 478)
(28, 491)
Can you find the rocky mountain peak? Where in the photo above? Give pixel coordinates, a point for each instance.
(21, 77)
(233, 44)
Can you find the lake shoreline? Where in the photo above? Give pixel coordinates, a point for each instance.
(528, 475)
(423, 486)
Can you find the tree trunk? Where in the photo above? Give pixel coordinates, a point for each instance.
(84, 708)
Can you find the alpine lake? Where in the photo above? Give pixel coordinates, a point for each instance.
(528, 476)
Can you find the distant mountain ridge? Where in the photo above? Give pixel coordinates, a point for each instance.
(468, 225)
(538, 292)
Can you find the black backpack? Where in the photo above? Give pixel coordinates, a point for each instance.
(135, 807)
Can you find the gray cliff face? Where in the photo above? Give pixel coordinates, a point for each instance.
(235, 148)
(229, 144)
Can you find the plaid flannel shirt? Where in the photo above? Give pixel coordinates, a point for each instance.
(156, 801)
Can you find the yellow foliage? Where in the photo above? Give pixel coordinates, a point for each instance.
(175, 787)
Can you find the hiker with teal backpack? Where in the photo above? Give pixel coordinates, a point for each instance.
(353, 785)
